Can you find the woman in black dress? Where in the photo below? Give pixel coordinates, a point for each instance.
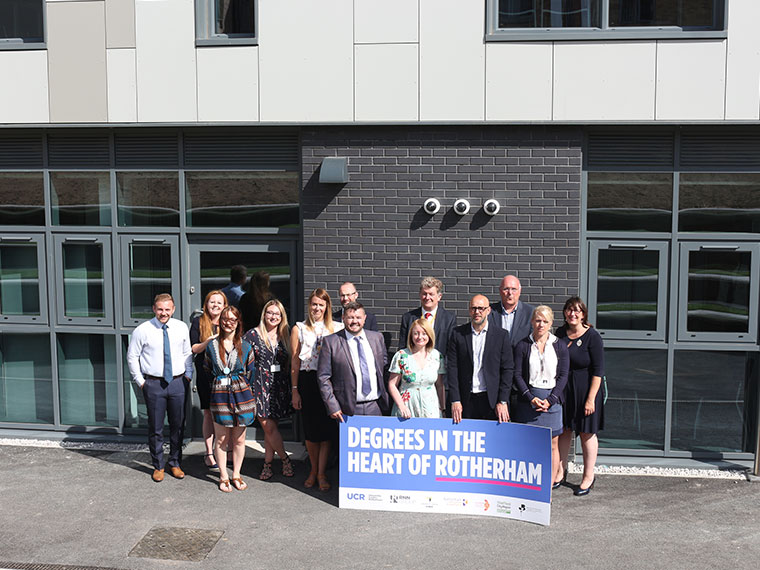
(583, 406)
(202, 330)
(270, 381)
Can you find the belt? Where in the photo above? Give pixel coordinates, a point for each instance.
(151, 377)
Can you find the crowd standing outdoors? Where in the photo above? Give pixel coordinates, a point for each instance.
(504, 364)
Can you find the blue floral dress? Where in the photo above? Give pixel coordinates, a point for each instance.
(417, 386)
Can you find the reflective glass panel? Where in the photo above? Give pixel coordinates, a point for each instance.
(135, 412)
(634, 415)
(227, 199)
(719, 203)
(719, 289)
(26, 385)
(148, 198)
(235, 17)
(701, 14)
(19, 280)
(21, 20)
(83, 281)
(627, 289)
(549, 13)
(629, 201)
(714, 401)
(81, 198)
(22, 198)
(150, 269)
(87, 382)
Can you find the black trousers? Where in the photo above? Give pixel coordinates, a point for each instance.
(478, 407)
(162, 398)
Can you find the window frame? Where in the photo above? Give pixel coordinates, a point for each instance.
(38, 240)
(204, 27)
(30, 43)
(496, 34)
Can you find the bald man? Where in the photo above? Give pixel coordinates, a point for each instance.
(347, 293)
(511, 314)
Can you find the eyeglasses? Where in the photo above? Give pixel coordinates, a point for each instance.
(477, 309)
(344, 295)
(510, 289)
(272, 313)
(229, 321)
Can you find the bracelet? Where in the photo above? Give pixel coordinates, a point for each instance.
(294, 387)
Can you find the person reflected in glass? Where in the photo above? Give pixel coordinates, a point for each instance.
(203, 329)
(416, 375)
(270, 381)
(234, 289)
(228, 360)
(541, 369)
(254, 299)
(306, 342)
(583, 408)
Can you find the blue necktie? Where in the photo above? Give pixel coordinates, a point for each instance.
(366, 384)
(168, 376)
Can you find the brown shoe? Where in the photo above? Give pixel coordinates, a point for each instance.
(177, 472)
(158, 475)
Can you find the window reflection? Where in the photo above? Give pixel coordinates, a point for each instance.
(19, 280)
(83, 281)
(22, 199)
(627, 289)
(549, 13)
(81, 198)
(719, 203)
(630, 201)
(148, 198)
(26, 385)
(692, 14)
(150, 273)
(135, 411)
(235, 17)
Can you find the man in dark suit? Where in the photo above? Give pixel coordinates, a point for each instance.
(511, 314)
(431, 291)
(347, 293)
(351, 368)
(479, 367)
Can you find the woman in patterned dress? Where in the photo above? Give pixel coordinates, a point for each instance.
(270, 381)
(228, 359)
(416, 380)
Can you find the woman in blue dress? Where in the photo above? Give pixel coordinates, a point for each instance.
(416, 381)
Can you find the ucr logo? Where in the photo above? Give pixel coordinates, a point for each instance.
(356, 496)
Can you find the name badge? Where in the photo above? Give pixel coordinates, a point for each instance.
(225, 381)
(275, 367)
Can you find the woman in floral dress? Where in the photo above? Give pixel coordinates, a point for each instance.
(416, 381)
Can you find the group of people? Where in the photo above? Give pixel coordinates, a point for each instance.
(504, 364)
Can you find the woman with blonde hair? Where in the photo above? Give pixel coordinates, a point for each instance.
(306, 342)
(416, 380)
(270, 381)
(204, 328)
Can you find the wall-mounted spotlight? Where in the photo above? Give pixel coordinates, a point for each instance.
(461, 207)
(431, 206)
(491, 207)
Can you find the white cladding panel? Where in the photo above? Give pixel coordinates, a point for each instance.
(306, 60)
(26, 73)
(386, 82)
(691, 80)
(228, 83)
(519, 81)
(743, 61)
(166, 79)
(386, 21)
(122, 85)
(452, 60)
(604, 81)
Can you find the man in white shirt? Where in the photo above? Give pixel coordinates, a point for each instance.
(161, 364)
(351, 368)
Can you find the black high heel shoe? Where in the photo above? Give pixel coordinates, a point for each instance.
(561, 482)
(579, 492)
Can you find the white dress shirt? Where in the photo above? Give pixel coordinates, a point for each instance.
(543, 367)
(145, 356)
(478, 346)
(370, 358)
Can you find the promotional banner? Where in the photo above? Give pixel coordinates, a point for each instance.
(420, 464)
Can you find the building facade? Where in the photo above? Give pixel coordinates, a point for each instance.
(149, 145)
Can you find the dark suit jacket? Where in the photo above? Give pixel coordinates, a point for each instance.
(520, 327)
(497, 365)
(444, 323)
(522, 370)
(336, 374)
(369, 324)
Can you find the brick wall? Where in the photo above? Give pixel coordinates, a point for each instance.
(374, 232)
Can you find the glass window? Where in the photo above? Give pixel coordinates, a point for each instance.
(81, 198)
(634, 415)
(135, 412)
(26, 385)
(20, 262)
(22, 199)
(713, 401)
(704, 14)
(148, 198)
(226, 21)
(85, 290)
(150, 273)
(87, 382)
(243, 199)
(719, 203)
(549, 13)
(21, 21)
(629, 201)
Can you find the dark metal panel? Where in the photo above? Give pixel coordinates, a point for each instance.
(710, 148)
(20, 150)
(66, 150)
(146, 150)
(260, 149)
(622, 149)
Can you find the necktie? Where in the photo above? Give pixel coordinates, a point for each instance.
(428, 316)
(168, 376)
(366, 384)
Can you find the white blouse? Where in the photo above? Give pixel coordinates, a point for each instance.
(311, 342)
(543, 367)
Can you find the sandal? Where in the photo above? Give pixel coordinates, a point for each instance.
(324, 484)
(310, 480)
(287, 467)
(239, 484)
(213, 466)
(224, 486)
(266, 471)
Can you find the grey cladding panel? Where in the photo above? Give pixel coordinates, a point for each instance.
(145, 150)
(71, 151)
(20, 150)
(620, 149)
(267, 150)
(701, 150)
